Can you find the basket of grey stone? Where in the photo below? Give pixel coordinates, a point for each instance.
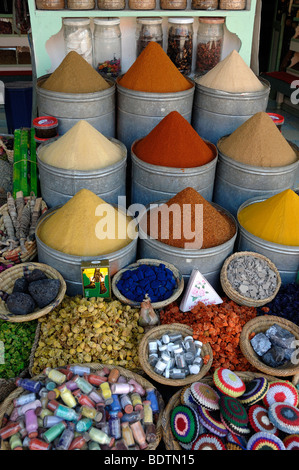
(29, 291)
(250, 279)
(270, 344)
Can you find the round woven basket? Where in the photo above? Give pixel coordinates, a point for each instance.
(8, 385)
(7, 280)
(157, 332)
(150, 262)
(17, 256)
(233, 294)
(259, 325)
(169, 440)
(7, 406)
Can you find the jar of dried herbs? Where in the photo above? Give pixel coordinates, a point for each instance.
(142, 4)
(180, 43)
(111, 4)
(81, 4)
(209, 44)
(204, 4)
(232, 4)
(148, 29)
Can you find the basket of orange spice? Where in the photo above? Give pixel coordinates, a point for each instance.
(219, 325)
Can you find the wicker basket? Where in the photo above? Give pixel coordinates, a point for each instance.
(169, 440)
(157, 332)
(8, 385)
(7, 406)
(151, 262)
(232, 4)
(233, 294)
(17, 256)
(261, 324)
(7, 280)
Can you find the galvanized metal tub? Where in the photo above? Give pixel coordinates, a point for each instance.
(69, 266)
(236, 182)
(98, 108)
(58, 185)
(208, 261)
(285, 258)
(151, 183)
(217, 113)
(138, 112)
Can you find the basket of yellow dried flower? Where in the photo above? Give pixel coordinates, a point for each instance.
(87, 330)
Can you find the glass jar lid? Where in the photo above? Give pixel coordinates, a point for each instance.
(181, 20)
(150, 20)
(76, 21)
(211, 19)
(107, 21)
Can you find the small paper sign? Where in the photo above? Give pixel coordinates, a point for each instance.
(198, 290)
(96, 279)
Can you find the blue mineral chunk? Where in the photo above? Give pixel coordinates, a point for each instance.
(139, 274)
(126, 275)
(162, 276)
(162, 266)
(162, 290)
(260, 343)
(155, 284)
(144, 282)
(134, 277)
(149, 272)
(169, 285)
(139, 290)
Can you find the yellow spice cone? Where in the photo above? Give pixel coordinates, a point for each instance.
(276, 219)
(87, 226)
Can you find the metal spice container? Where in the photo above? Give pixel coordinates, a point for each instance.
(209, 44)
(49, 4)
(204, 4)
(180, 43)
(148, 29)
(173, 4)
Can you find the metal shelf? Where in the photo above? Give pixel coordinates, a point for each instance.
(46, 23)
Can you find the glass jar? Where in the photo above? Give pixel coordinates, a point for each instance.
(148, 29)
(111, 4)
(78, 37)
(142, 4)
(180, 43)
(173, 4)
(204, 4)
(232, 4)
(49, 4)
(209, 44)
(81, 4)
(107, 47)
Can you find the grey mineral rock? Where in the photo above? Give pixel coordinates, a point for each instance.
(44, 291)
(19, 303)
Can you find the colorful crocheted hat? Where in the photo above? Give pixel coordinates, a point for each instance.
(211, 421)
(281, 391)
(208, 442)
(205, 395)
(265, 441)
(186, 397)
(259, 419)
(256, 389)
(184, 424)
(233, 415)
(231, 446)
(228, 382)
(285, 417)
(291, 442)
(237, 440)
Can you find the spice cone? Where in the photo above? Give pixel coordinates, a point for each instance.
(75, 75)
(182, 226)
(154, 72)
(233, 75)
(258, 142)
(87, 226)
(81, 148)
